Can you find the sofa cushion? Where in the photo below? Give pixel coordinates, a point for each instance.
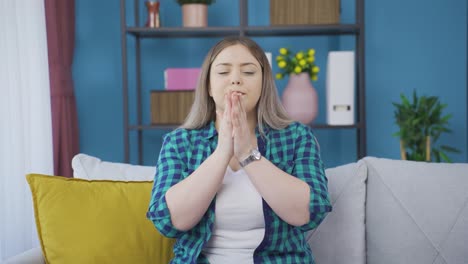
(417, 212)
(82, 221)
(340, 238)
(31, 256)
(92, 168)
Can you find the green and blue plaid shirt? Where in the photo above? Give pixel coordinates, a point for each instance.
(292, 149)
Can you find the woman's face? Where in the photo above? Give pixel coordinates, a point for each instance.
(235, 69)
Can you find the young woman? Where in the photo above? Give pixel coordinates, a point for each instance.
(239, 182)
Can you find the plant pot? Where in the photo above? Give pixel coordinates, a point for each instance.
(300, 98)
(195, 15)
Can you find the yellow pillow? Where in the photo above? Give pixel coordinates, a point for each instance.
(81, 221)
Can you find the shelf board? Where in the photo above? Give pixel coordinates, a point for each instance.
(253, 31)
(303, 30)
(145, 32)
(153, 127)
(325, 126)
(313, 126)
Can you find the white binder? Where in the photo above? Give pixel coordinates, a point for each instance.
(340, 85)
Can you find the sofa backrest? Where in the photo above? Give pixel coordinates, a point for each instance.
(416, 212)
(340, 238)
(408, 212)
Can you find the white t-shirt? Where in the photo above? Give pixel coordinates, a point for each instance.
(239, 225)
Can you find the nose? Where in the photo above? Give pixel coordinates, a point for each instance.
(236, 77)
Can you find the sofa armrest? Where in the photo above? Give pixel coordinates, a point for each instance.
(32, 256)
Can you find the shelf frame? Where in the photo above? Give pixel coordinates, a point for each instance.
(140, 33)
(251, 31)
(123, 43)
(180, 32)
(361, 80)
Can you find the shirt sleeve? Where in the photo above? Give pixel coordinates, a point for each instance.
(169, 169)
(308, 166)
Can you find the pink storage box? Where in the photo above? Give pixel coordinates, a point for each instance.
(181, 78)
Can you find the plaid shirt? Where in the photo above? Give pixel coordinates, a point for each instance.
(293, 150)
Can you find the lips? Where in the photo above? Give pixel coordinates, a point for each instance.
(239, 92)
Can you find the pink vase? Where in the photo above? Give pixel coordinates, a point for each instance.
(300, 98)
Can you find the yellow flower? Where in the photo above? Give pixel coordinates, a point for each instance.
(300, 55)
(282, 64)
(292, 62)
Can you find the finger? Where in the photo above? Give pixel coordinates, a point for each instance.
(226, 102)
(235, 111)
(226, 105)
(242, 117)
(237, 118)
(227, 110)
(243, 114)
(220, 116)
(236, 105)
(231, 116)
(242, 106)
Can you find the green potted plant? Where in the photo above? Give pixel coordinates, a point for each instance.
(195, 12)
(421, 123)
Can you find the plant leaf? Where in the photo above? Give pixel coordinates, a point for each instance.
(449, 149)
(445, 157)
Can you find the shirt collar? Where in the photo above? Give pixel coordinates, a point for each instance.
(266, 130)
(209, 131)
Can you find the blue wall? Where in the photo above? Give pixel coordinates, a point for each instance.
(421, 46)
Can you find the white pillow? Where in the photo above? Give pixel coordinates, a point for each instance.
(91, 168)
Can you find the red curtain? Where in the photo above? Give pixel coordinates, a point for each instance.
(60, 23)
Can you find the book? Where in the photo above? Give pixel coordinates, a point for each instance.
(181, 78)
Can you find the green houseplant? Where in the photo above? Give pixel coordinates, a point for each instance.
(421, 123)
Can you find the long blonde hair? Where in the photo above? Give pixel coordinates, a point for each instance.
(270, 111)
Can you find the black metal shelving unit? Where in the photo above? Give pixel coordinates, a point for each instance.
(243, 29)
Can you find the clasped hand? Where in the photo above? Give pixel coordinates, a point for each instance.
(234, 136)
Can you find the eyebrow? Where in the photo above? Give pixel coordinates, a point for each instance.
(242, 64)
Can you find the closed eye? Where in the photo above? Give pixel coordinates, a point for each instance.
(222, 73)
(249, 73)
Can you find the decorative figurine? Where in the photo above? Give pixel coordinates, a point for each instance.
(153, 14)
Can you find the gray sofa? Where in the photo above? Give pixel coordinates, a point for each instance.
(386, 211)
